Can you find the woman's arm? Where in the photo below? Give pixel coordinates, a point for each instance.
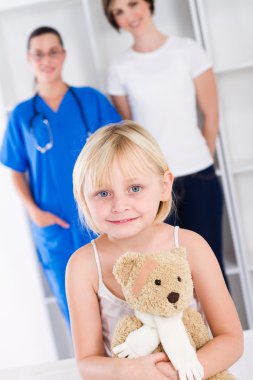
(227, 344)
(207, 100)
(122, 105)
(38, 216)
(86, 327)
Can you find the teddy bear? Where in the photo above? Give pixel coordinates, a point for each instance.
(159, 288)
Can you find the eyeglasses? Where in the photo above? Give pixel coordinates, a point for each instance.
(52, 54)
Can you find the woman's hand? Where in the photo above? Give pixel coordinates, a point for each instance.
(45, 219)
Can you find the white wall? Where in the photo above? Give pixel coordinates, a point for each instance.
(24, 326)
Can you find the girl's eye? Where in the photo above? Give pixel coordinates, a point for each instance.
(135, 189)
(103, 194)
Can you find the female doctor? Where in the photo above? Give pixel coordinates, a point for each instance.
(43, 139)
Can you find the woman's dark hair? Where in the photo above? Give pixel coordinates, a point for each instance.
(44, 30)
(109, 15)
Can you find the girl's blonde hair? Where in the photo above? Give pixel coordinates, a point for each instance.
(134, 148)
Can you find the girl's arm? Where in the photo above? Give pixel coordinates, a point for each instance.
(81, 288)
(122, 105)
(227, 344)
(207, 100)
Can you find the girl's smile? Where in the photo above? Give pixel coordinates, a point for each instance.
(123, 221)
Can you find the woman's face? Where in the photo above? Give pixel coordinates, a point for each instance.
(46, 56)
(131, 15)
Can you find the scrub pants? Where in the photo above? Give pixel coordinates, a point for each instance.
(54, 246)
(55, 274)
(198, 207)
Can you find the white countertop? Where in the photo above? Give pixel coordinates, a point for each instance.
(60, 370)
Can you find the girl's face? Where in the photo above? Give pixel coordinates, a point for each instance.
(46, 56)
(131, 15)
(125, 207)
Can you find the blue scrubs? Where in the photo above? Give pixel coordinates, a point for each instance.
(50, 174)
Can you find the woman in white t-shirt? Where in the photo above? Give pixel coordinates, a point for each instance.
(159, 82)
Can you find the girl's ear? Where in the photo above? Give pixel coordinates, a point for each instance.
(167, 182)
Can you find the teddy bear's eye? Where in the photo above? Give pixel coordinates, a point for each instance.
(158, 282)
(179, 279)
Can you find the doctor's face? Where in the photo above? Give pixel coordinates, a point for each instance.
(46, 56)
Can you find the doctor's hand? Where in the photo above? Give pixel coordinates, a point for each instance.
(45, 219)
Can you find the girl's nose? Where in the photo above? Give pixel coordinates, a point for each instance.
(119, 204)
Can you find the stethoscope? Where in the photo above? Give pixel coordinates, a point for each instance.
(46, 125)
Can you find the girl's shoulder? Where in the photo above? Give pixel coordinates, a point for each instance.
(82, 262)
(197, 249)
(191, 240)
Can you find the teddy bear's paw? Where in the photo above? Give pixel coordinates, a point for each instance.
(140, 342)
(123, 351)
(192, 370)
(124, 327)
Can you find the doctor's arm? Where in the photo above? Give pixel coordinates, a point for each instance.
(207, 100)
(38, 216)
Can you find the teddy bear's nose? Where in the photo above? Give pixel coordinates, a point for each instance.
(173, 297)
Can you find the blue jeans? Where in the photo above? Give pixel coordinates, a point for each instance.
(198, 207)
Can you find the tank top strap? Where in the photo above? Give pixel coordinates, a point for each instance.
(97, 260)
(176, 240)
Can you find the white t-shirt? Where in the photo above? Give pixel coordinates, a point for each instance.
(162, 98)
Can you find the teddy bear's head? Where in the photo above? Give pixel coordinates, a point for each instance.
(158, 284)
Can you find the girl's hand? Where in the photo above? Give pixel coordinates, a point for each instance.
(146, 368)
(45, 219)
(168, 370)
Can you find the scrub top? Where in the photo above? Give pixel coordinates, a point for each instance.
(50, 173)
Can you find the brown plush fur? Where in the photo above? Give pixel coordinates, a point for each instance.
(173, 272)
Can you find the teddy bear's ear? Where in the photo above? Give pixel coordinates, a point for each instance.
(124, 266)
(180, 251)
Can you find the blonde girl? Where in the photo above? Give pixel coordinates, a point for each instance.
(122, 185)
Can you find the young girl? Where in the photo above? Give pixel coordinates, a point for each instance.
(123, 187)
(178, 75)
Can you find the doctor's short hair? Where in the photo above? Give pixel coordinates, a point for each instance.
(137, 152)
(108, 14)
(44, 30)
